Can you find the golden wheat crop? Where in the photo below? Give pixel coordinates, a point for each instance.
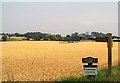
(50, 60)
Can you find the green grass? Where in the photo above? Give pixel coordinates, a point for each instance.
(101, 76)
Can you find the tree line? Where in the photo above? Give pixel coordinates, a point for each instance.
(38, 36)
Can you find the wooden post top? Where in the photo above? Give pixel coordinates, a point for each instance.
(110, 42)
(109, 33)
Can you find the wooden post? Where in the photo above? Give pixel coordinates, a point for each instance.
(109, 54)
(119, 32)
(118, 53)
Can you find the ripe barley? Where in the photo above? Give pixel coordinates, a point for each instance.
(50, 60)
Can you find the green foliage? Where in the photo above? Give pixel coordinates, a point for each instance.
(73, 37)
(59, 37)
(42, 36)
(47, 37)
(4, 38)
(98, 36)
(35, 35)
(101, 76)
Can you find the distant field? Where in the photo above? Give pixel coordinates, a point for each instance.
(50, 60)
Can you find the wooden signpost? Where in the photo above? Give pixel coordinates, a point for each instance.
(90, 70)
(109, 44)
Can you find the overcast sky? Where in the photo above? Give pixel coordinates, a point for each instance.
(60, 17)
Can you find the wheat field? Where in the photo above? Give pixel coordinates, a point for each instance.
(50, 60)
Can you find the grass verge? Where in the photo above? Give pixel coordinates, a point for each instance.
(101, 76)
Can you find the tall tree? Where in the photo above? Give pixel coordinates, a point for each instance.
(4, 38)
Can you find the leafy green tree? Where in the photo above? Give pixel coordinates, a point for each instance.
(16, 34)
(67, 38)
(59, 37)
(35, 35)
(4, 38)
(98, 34)
(53, 37)
(46, 37)
(75, 37)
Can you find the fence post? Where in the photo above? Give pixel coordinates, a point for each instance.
(119, 32)
(109, 54)
(118, 53)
